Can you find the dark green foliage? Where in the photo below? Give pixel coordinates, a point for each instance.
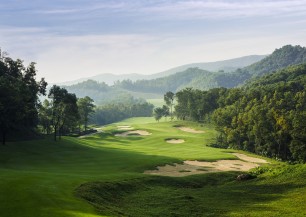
(114, 112)
(169, 99)
(158, 113)
(86, 108)
(193, 104)
(18, 96)
(267, 116)
(65, 114)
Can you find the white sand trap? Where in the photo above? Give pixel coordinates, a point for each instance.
(175, 141)
(125, 127)
(134, 133)
(190, 130)
(200, 167)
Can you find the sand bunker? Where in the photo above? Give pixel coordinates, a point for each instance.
(175, 141)
(190, 130)
(249, 159)
(200, 167)
(125, 127)
(134, 133)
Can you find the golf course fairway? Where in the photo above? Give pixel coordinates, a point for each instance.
(103, 175)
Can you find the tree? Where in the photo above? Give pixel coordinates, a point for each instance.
(64, 110)
(169, 99)
(45, 116)
(166, 112)
(86, 108)
(18, 96)
(158, 113)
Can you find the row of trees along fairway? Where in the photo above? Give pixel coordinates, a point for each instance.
(20, 108)
(266, 116)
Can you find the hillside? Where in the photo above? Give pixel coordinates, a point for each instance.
(102, 93)
(204, 80)
(196, 78)
(224, 65)
(281, 58)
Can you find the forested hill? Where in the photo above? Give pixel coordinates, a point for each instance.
(193, 77)
(281, 58)
(225, 65)
(204, 80)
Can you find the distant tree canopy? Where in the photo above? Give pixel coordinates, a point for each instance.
(114, 112)
(266, 116)
(18, 96)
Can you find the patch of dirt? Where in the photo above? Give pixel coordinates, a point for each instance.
(134, 133)
(175, 141)
(200, 167)
(190, 130)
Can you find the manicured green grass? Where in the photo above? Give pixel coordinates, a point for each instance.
(47, 178)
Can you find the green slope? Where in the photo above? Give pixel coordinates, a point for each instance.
(46, 178)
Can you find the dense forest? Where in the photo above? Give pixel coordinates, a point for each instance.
(265, 116)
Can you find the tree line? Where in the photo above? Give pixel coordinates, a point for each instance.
(64, 112)
(22, 113)
(117, 111)
(266, 116)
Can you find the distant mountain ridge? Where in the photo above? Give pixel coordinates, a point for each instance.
(229, 65)
(225, 65)
(193, 77)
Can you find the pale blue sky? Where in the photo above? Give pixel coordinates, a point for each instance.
(70, 39)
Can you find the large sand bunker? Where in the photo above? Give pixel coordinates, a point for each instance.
(175, 141)
(134, 133)
(200, 167)
(125, 127)
(190, 130)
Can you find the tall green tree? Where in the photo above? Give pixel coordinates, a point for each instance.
(64, 110)
(86, 108)
(169, 100)
(158, 113)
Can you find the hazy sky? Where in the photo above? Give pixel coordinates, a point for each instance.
(70, 39)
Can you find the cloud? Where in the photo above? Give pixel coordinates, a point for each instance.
(225, 9)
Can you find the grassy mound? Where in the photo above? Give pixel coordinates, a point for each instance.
(277, 192)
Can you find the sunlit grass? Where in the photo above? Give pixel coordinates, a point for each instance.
(40, 178)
